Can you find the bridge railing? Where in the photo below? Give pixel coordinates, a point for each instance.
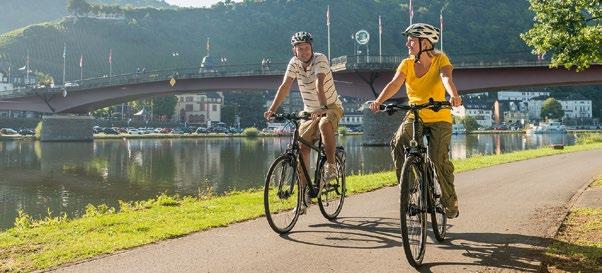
(363, 62)
(343, 63)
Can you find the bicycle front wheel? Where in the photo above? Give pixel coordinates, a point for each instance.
(332, 196)
(281, 196)
(412, 211)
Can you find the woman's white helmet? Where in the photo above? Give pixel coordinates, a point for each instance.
(422, 30)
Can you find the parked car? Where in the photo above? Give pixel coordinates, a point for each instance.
(26, 132)
(201, 130)
(8, 131)
(71, 84)
(110, 131)
(135, 131)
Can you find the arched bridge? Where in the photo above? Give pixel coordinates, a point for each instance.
(359, 76)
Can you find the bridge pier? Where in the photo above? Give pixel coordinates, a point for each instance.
(66, 128)
(379, 128)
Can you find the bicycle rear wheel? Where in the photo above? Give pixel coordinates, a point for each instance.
(438, 217)
(281, 193)
(332, 197)
(412, 211)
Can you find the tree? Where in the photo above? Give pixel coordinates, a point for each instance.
(165, 106)
(568, 29)
(470, 123)
(551, 109)
(78, 6)
(44, 79)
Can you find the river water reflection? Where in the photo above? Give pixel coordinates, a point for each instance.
(65, 177)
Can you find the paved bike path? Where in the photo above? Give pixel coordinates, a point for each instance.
(507, 212)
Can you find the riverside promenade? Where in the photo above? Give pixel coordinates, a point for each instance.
(509, 213)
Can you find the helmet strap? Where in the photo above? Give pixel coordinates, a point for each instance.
(420, 50)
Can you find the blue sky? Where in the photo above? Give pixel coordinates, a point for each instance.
(194, 3)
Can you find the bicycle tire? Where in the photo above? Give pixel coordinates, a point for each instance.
(412, 210)
(281, 191)
(438, 217)
(332, 197)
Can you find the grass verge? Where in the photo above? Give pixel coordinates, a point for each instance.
(53, 241)
(578, 244)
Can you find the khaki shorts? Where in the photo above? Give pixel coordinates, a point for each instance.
(310, 129)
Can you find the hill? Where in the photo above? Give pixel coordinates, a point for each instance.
(249, 31)
(21, 13)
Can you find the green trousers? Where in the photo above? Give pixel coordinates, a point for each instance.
(439, 141)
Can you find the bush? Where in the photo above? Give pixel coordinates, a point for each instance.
(342, 130)
(589, 138)
(250, 132)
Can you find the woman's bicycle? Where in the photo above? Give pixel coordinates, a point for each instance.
(420, 190)
(282, 190)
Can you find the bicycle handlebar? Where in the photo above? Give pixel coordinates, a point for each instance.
(432, 104)
(292, 116)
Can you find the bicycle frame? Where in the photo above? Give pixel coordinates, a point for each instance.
(295, 150)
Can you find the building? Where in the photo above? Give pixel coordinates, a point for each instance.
(4, 83)
(480, 107)
(519, 95)
(575, 106)
(200, 109)
(353, 117)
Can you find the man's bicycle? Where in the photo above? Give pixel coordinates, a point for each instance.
(283, 191)
(420, 190)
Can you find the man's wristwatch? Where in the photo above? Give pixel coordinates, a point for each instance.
(324, 107)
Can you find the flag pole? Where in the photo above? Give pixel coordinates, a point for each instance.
(380, 40)
(328, 27)
(110, 65)
(411, 12)
(27, 68)
(81, 68)
(441, 27)
(64, 62)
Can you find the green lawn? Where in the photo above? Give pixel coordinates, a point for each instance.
(50, 242)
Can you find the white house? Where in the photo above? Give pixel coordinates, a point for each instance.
(199, 109)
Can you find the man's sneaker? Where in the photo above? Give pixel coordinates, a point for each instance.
(330, 172)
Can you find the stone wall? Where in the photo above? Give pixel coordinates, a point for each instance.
(379, 128)
(66, 128)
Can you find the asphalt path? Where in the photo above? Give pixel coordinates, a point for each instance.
(508, 213)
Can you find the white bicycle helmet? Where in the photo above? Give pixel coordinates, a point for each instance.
(422, 30)
(301, 37)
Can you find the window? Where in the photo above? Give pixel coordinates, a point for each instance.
(189, 108)
(214, 108)
(189, 99)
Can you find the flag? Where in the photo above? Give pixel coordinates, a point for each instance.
(81, 60)
(110, 56)
(380, 26)
(64, 92)
(328, 15)
(65, 51)
(411, 11)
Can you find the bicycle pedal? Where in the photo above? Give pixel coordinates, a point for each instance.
(313, 192)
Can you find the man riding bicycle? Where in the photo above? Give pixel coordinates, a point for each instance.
(427, 73)
(320, 99)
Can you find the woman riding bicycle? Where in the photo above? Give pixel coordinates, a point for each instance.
(427, 73)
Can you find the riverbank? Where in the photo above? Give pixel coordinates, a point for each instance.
(39, 244)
